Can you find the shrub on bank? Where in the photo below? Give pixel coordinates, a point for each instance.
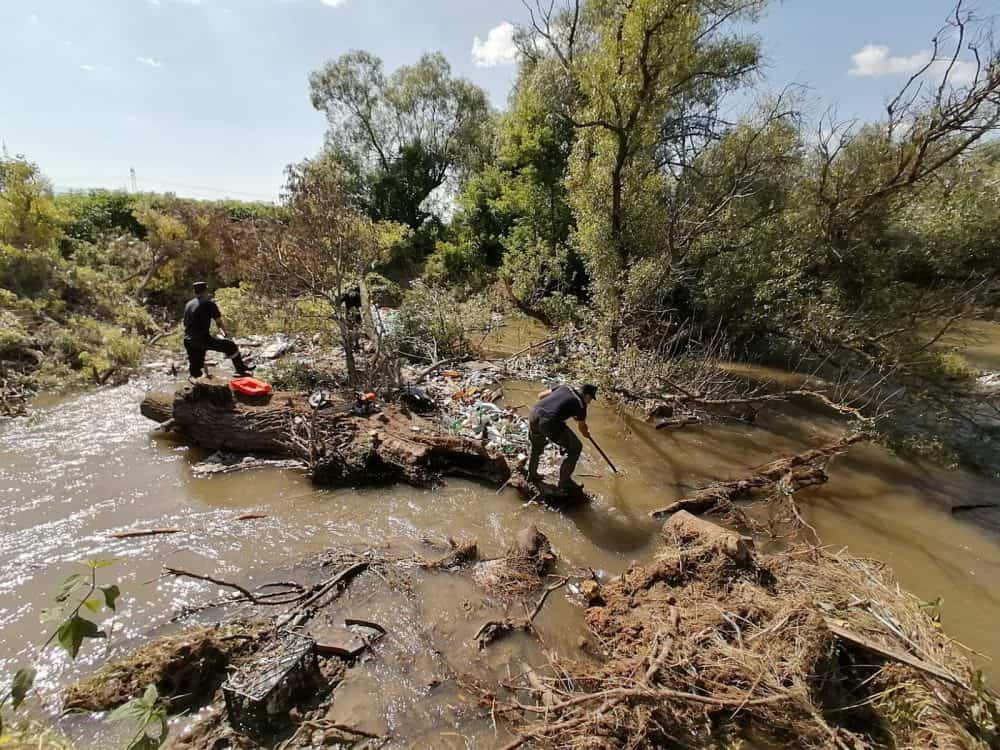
(435, 323)
(98, 350)
(27, 271)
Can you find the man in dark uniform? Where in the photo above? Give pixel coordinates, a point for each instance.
(548, 423)
(198, 339)
(351, 300)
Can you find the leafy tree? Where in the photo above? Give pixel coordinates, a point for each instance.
(324, 248)
(515, 213)
(399, 138)
(94, 215)
(29, 216)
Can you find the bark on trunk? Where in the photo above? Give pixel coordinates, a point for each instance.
(340, 446)
(800, 470)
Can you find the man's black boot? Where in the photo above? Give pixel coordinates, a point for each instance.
(241, 367)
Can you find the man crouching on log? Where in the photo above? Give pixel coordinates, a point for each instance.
(198, 339)
(548, 423)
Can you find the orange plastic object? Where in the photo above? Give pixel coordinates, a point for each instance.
(250, 386)
(368, 396)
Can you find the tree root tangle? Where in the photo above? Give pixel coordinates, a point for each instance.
(711, 643)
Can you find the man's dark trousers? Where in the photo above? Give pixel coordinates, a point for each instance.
(196, 353)
(542, 429)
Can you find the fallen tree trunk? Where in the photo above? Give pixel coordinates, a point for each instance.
(338, 445)
(800, 470)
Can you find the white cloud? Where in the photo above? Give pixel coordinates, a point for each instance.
(962, 73)
(35, 20)
(88, 68)
(333, 3)
(151, 62)
(876, 60)
(153, 2)
(498, 49)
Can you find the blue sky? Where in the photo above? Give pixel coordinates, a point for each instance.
(210, 97)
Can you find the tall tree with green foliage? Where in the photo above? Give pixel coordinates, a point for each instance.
(514, 213)
(401, 137)
(646, 78)
(29, 215)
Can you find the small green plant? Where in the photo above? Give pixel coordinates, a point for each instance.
(150, 716)
(77, 594)
(81, 595)
(951, 367)
(933, 610)
(291, 375)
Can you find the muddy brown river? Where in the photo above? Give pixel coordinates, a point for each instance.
(80, 467)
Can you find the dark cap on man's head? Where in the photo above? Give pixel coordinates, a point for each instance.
(200, 286)
(589, 389)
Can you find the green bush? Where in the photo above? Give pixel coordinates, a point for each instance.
(433, 322)
(382, 291)
(951, 367)
(98, 350)
(561, 309)
(14, 339)
(453, 263)
(28, 271)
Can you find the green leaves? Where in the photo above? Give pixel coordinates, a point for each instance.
(111, 594)
(80, 592)
(23, 681)
(71, 633)
(147, 713)
(99, 563)
(69, 586)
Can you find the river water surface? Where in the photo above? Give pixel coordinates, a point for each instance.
(80, 467)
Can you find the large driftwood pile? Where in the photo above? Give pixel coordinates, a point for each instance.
(338, 444)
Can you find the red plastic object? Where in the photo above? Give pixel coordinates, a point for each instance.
(250, 386)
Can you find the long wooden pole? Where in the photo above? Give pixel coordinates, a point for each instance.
(603, 454)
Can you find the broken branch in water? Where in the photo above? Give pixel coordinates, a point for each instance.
(217, 581)
(800, 470)
(496, 629)
(142, 532)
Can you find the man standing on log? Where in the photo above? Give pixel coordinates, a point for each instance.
(548, 423)
(198, 339)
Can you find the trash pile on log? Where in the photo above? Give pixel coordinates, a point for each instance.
(341, 440)
(337, 441)
(712, 643)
